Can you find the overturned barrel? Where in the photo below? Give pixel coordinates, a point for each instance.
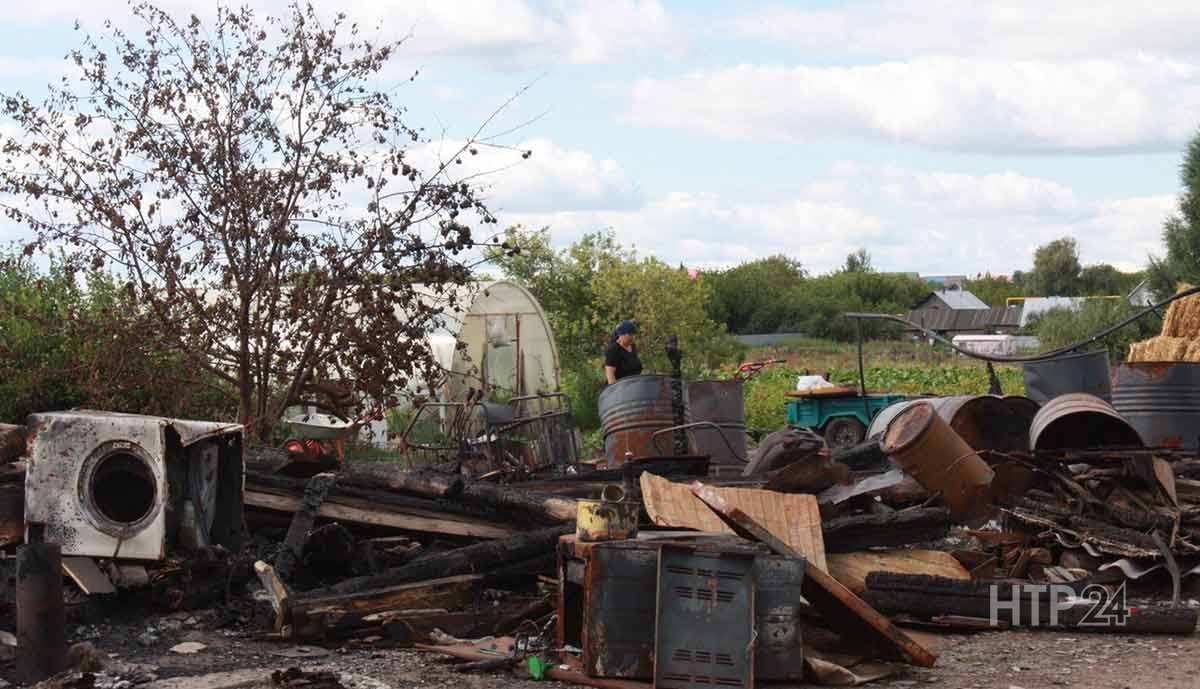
(631, 410)
(1086, 372)
(1161, 401)
(985, 422)
(921, 442)
(1079, 421)
(722, 403)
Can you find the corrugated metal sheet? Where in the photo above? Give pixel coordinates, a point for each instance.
(957, 299)
(972, 320)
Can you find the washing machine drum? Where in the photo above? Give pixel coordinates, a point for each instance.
(97, 482)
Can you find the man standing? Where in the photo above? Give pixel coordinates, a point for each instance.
(621, 359)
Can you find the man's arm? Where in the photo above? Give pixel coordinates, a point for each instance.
(610, 372)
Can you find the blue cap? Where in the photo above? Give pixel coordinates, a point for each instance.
(626, 327)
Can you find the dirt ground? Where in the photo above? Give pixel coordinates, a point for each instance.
(136, 650)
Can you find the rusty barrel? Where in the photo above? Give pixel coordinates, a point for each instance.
(1161, 401)
(1079, 421)
(722, 403)
(1086, 372)
(631, 410)
(921, 442)
(985, 422)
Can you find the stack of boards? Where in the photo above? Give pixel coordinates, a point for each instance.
(1180, 337)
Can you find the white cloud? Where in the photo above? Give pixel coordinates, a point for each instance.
(552, 178)
(934, 221)
(505, 33)
(1013, 28)
(946, 103)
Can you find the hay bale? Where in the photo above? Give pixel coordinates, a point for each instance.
(1162, 348)
(1183, 317)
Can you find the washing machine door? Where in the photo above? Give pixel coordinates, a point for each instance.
(97, 482)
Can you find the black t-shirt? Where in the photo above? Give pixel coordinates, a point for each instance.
(626, 363)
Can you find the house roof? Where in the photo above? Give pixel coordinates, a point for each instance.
(959, 299)
(966, 320)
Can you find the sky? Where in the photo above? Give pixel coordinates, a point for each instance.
(944, 137)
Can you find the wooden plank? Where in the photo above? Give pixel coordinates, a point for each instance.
(86, 573)
(796, 518)
(851, 569)
(342, 511)
(277, 591)
(841, 609)
(327, 616)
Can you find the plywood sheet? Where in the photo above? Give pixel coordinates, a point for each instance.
(851, 569)
(794, 518)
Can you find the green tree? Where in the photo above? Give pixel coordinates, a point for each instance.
(1056, 269)
(258, 188)
(1060, 327)
(743, 296)
(858, 262)
(594, 284)
(1103, 279)
(992, 290)
(1181, 232)
(58, 350)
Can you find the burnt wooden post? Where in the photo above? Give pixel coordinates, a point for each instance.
(302, 524)
(41, 615)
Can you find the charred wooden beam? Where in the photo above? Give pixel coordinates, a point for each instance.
(847, 534)
(866, 455)
(932, 597)
(302, 524)
(472, 559)
(331, 616)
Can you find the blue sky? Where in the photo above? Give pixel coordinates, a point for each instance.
(943, 137)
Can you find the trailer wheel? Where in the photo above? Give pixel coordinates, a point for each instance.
(843, 432)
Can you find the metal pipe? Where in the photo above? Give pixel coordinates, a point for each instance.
(41, 615)
(862, 376)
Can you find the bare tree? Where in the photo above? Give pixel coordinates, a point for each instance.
(261, 196)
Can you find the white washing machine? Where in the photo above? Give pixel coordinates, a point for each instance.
(124, 486)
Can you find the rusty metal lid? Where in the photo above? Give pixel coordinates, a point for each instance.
(908, 427)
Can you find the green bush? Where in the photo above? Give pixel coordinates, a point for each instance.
(76, 341)
(1061, 327)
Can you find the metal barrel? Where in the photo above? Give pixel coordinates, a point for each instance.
(921, 442)
(880, 423)
(1079, 421)
(720, 402)
(1161, 401)
(985, 422)
(631, 410)
(1086, 372)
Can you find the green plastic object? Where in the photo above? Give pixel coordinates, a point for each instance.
(537, 668)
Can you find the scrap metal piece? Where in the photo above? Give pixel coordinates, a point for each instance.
(87, 575)
(779, 649)
(704, 630)
(618, 609)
